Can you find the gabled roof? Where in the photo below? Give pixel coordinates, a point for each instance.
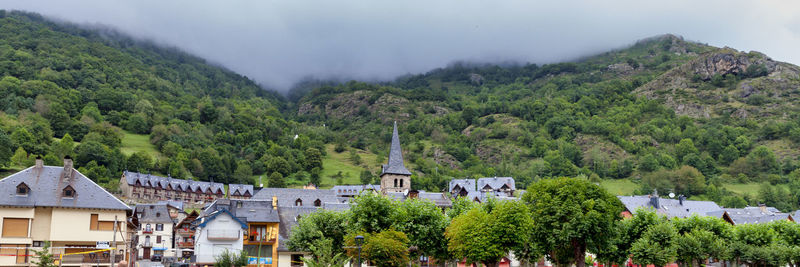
(216, 214)
(467, 184)
(288, 196)
(670, 207)
(351, 190)
(752, 215)
(246, 210)
(46, 184)
(153, 213)
(288, 217)
(242, 189)
(395, 164)
(496, 183)
(164, 183)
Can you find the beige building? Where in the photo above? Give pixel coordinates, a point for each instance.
(60, 205)
(154, 234)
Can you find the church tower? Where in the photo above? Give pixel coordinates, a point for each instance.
(394, 175)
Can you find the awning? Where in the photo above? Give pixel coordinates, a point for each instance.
(159, 248)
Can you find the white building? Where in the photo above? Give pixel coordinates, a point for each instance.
(154, 236)
(218, 231)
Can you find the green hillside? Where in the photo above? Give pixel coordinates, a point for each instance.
(663, 113)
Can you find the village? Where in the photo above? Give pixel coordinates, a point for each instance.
(162, 220)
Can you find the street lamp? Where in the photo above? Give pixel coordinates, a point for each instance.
(359, 241)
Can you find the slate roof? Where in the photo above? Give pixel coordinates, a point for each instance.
(671, 208)
(353, 190)
(242, 189)
(149, 180)
(153, 213)
(496, 183)
(217, 213)
(175, 204)
(288, 216)
(288, 196)
(46, 185)
(440, 199)
(468, 184)
(395, 164)
(246, 210)
(753, 215)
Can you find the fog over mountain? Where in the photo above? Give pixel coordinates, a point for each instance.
(278, 43)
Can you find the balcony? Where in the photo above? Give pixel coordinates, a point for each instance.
(224, 234)
(147, 244)
(186, 244)
(185, 232)
(147, 231)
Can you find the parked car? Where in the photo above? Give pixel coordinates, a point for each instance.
(155, 258)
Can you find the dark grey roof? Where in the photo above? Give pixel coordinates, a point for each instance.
(496, 183)
(173, 203)
(749, 215)
(240, 189)
(482, 196)
(440, 199)
(246, 210)
(289, 219)
(670, 207)
(468, 184)
(46, 185)
(153, 213)
(352, 190)
(288, 196)
(150, 180)
(395, 164)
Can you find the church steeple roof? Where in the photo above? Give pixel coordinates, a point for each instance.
(395, 164)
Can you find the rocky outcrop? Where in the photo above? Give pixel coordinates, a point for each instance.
(721, 64)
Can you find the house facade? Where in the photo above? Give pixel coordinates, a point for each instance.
(184, 236)
(154, 234)
(147, 188)
(60, 205)
(255, 224)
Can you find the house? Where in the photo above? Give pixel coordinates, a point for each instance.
(235, 225)
(351, 191)
(147, 188)
(440, 199)
(461, 187)
(155, 231)
(289, 218)
(60, 205)
(293, 197)
(498, 186)
(394, 175)
(671, 208)
(240, 191)
(184, 236)
(751, 215)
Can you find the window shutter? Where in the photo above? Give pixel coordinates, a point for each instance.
(15, 227)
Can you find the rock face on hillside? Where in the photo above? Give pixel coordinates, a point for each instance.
(691, 89)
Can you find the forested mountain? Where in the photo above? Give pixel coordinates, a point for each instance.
(664, 113)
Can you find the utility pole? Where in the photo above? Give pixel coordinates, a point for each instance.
(114, 242)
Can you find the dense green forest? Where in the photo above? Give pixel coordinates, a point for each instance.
(665, 113)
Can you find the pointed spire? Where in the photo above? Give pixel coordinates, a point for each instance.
(395, 164)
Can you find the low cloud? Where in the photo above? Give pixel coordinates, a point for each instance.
(278, 43)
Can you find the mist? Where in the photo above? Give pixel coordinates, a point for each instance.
(278, 43)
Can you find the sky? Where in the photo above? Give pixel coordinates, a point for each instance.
(278, 43)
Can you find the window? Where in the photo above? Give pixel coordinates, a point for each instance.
(159, 227)
(15, 227)
(147, 240)
(298, 202)
(93, 222)
(22, 189)
(148, 228)
(158, 214)
(158, 239)
(68, 192)
(14, 249)
(395, 182)
(105, 226)
(317, 203)
(297, 260)
(401, 182)
(38, 244)
(239, 204)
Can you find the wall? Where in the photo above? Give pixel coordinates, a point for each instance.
(73, 225)
(205, 249)
(166, 239)
(16, 213)
(285, 259)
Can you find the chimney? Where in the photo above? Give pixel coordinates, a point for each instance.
(654, 200)
(67, 167)
(763, 208)
(274, 202)
(39, 162)
(681, 198)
